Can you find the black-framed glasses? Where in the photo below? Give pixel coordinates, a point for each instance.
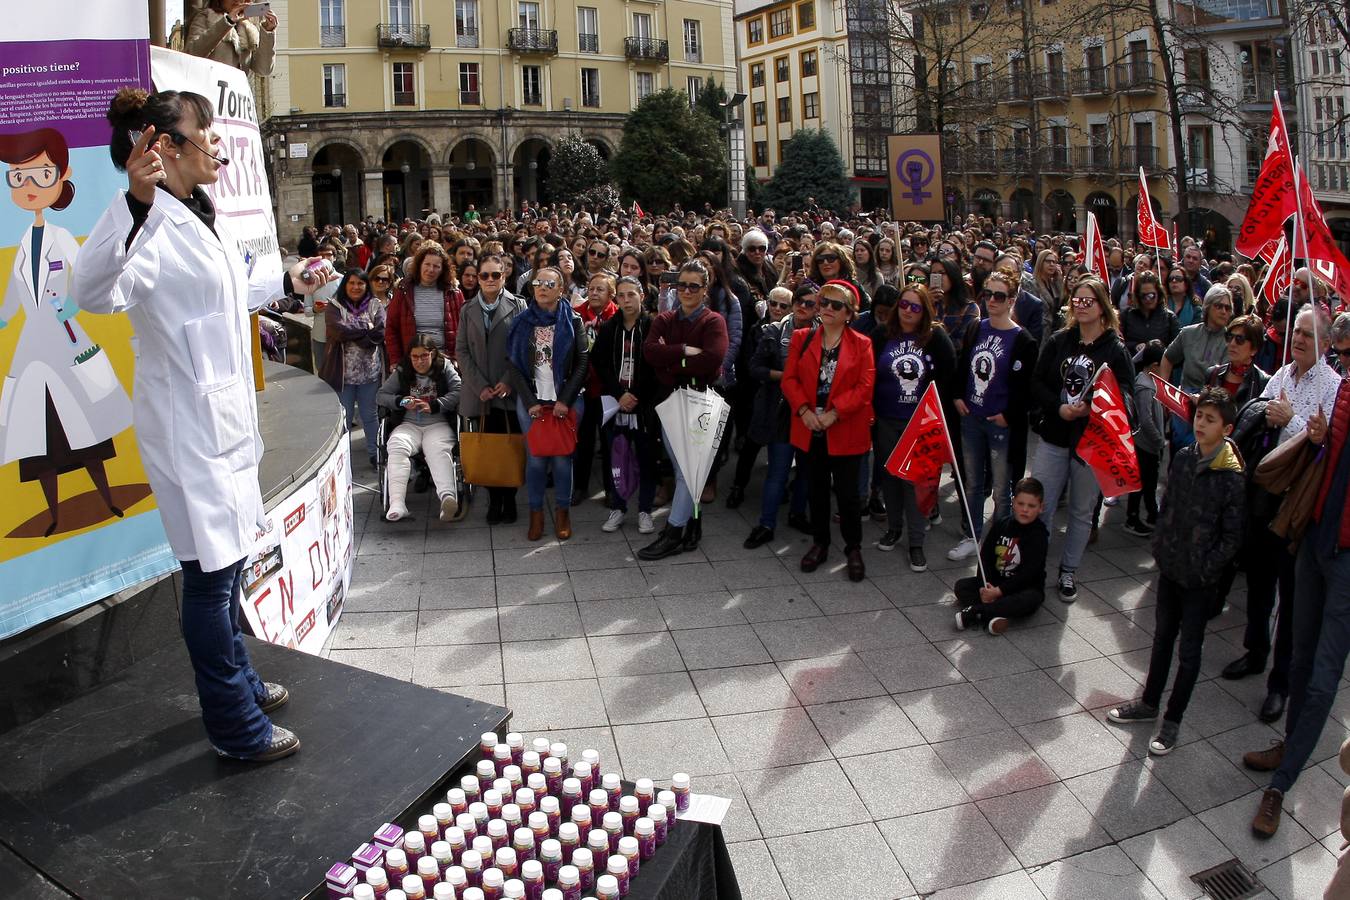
(828, 258)
(778, 304)
(598, 253)
(1235, 337)
(756, 248)
(1000, 296)
(1176, 281)
(688, 287)
(489, 276)
(836, 305)
(805, 302)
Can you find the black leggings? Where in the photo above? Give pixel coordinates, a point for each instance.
(1016, 605)
(842, 471)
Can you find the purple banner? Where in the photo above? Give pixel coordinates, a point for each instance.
(67, 85)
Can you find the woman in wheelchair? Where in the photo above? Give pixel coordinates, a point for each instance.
(422, 396)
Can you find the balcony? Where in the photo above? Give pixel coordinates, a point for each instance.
(1015, 89)
(1055, 159)
(1193, 96)
(532, 40)
(334, 100)
(693, 54)
(1136, 77)
(970, 160)
(466, 36)
(332, 35)
(1201, 177)
(588, 43)
(1015, 159)
(974, 94)
(646, 49)
(1091, 81)
(403, 37)
(1261, 88)
(1093, 159)
(1051, 85)
(1139, 156)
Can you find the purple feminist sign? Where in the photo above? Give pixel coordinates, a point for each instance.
(67, 85)
(915, 170)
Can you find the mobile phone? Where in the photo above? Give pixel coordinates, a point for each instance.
(797, 262)
(935, 280)
(135, 136)
(669, 277)
(254, 10)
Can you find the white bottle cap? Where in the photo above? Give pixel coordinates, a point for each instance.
(552, 894)
(493, 877)
(413, 886)
(530, 760)
(598, 841)
(550, 849)
(591, 757)
(525, 796)
(581, 814)
(513, 774)
(465, 822)
(569, 875)
(486, 770)
(536, 782)
(501, 752)
(395, 859)
(558, 749)
(454, 835)
(415, 842)
(607, 886)
(666, 799)
(442, 812)
(628, 846)
(550, 805)
(628, 804)
(514, 889)
(532, 869)
(582, 857)
(524, 835)
(506, 855)
(497, 828)
(472, 893)
(552, 766)
(582, 770)
(443, 891)
(471, 860)
(427, 824)
(511, 814)
(492, 797)
(479, 811)
(572, 787)
(503, 787)
(483, 844)
(613, 821)
(599, 797)
(568, 832)
(644, 826)
(643, 786)
(469, 784)
(540, 746)
(618, 864)
(457, 876)
(395, 894)
(488, 739)
(363, 892)
(441, 850)
(515, 739)
(376, 876)
(427, 865)
(680, 781)
(611, 782)
(538, 820)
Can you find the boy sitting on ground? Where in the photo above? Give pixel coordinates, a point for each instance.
(1199, 533)
(1013, 555)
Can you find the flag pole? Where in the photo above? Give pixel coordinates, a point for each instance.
(1293, 253)
(960, 486)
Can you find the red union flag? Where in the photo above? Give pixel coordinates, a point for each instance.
(1273, 195)
(1107, 445)
(1276, 284)
(1094, 248)
(923, 449)
(1151, 232)
(1174, 399)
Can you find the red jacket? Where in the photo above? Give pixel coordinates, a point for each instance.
(401, 325)
(1338, 429)
(850, 392)
(593, 320)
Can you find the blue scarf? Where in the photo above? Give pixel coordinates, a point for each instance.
(520, 342)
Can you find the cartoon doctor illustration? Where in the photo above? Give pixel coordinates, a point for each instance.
(61, 403)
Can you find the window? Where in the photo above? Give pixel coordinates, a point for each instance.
(528, 15)
(468, 84)
(978, 11)
(761, 153)
(693, 46)
(811, 105)
(466, 23)
(782, 150)
(642, 26)
(588, 29)
(400, 16)
(784, 110)
(334, 84)
(531, 85)
(1197, 66)
(590, 87)
(332, 23)
(693, 86)
(646, 84)
(754, 30)
(757, 75)
(780, 23)
(808, 63)
(405, 89)
(781, 70)
(759, 113)
(806, 15)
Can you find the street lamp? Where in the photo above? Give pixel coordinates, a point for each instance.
(735, 130)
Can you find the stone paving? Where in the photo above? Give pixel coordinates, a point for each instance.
(870, 749)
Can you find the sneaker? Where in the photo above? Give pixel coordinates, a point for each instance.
(645, 523)
(284, 743)
(449, 507)
(1136, 711)
(935, 517)
(616, 517)
(1165, 741)
(1068, 590)
(1136, 528)
(964, 550)
(1111, 502)
(961, 623)
(888, 541)
(997, 625)
(917, 561)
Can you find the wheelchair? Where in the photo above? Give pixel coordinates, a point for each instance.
(421, 471)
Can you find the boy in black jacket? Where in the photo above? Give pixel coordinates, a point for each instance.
(1013, 554)
(1200, 528)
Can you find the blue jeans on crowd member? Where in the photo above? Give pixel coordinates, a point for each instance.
(981, 439)
(536, 467)
(227, 686)
(1058, 470)
(363, 395)
(1321, 633)
(646, 456)
(776, 484)
(682, 503)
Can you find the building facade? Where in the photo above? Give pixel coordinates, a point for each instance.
(1322, 67)
(395, 108)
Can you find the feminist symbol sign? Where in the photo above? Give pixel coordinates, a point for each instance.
(915, 169)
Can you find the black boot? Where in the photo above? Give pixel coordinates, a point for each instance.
(508, 508)
(735, 497)
(494, 515)
(693, 533)
(668, 543)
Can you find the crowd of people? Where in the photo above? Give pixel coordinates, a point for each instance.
(822, 333)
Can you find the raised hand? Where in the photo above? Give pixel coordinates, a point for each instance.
(145, 170)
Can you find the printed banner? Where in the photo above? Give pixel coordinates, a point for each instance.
(1173, 399)
(296, 580)
(79, 522)
(1107, 446)
(917, 192)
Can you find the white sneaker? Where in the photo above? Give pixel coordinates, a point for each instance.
(449, 506)
(645, 523)
(615, 519)
(964, 550)
(395, 513)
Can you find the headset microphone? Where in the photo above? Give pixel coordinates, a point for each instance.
(179, 136)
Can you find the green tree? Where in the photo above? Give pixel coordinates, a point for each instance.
(711, 98)
(669, 154)
(754, 191)
(811, 167)
(578, 176)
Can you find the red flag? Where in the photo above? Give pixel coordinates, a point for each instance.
(1094, 248)
(1281, 270)
(637, 210)
(1151, 232)
(923, 449)
(1320, 247)
(1174, 399)
(1273, 194)
(1271, 249)
(1107, 445)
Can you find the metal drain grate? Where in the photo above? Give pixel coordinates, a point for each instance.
(1228, 881)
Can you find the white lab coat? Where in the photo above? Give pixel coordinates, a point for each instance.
(87, 396)
(188, 294)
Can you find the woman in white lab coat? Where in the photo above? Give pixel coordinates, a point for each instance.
(61, 404)
(160, 254)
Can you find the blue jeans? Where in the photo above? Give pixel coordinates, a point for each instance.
(227, 687)
(536, 467)
(979, 437)
(363, 395)
(776, 483)
(682, 503)
(1059, 471)
(1321, 636)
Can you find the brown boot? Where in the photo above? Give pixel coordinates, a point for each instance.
(1267, 819)
(1267, 760)
(536, 525)
(562, 524)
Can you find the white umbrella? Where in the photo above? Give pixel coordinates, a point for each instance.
(693, 422)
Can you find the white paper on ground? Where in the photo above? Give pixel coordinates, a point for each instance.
(608, 407)
(706, 808)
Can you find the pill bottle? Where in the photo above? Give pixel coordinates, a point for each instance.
(472, 863)
(585, 865)
(569, 882)
(628, 849)
(532, 874)
(522, 841)
(396, 866)
(472, 788)
(492, 799)
(457, 840)
(667, 799)
(613, 788)
(486, 770)
(511, 815)
(553, 775)
(550, 807)
(539, 826)
(513, 889)
(582, 772)
(540, 746)
(443, 891)
(679, 783)
(597, 841)
(414, 888)
(444, 816)
(501, 758)
(508, 862)
(517, 744)
(551, 855)
(430, 873)
(645, 832)
(414, 847)
(472, 893)
(613, 825)
(492, 884)
(526, 801)
(483, 844)
(570, 838)
(443, 856)
(456, 878)
(591, 758)
(607, 888)
(571, 792)
(480, 814)
(378, 880)
(629, 811)
(363, 892)
(558, 751)
(467, 823)
(530, 763)
(618, 867)
(599, 803)
(657, 813)
(487, 743)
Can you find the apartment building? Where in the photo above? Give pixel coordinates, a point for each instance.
(1322, 68)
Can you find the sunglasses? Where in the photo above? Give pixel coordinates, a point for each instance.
(1000, 296)
(1084, 302)
(1176, 281)
(805, 303)
(836, 305)
(828, 257)
(756, 249)
(688, 287)
(1149, 295)
(1343, 354)
(1234, 337)
(598, 253)
(489, 276)
(779, 305)
(544, 283)
(909, 306)
(379, 279)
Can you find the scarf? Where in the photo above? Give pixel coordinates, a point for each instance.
(520, 342)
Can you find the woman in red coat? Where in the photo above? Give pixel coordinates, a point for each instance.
(828, 384)
(428, 301)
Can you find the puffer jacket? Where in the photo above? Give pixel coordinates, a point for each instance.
(1202, 517)
(771, 420)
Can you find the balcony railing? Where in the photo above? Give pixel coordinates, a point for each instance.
(334, 100)
(693, 54)
(470, 98)
(1015, 159)
(971, 160)
(332, 35)
(1091, 81)
(1136, 77)
(641, 48)
(532, 97)
(1137, 156)
(405, 98)
(1261, 88)
(404, 37)
(1093, 159)
(1201, 176)
(532, 40)
(1015, 89)
(588, 43)
(1055, 159)
(1052, 84)
(466, 36)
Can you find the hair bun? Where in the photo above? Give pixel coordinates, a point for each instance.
(127, 107)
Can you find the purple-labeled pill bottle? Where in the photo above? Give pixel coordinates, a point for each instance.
(467, 823)
(511, 815)
(472, 789)
(515, 777)
(456, 877)
(667, 799)
(480, 814)
(414, 847)
(508, 862)
(550, 807)
(341, 881)
(679, 784)
(530, 763)
(585, 866)
(570, 838)
(591, 757)
(501, 758)
(378, 880)
(540, 746)
(492, 799)
(558, 750)
(597, 841)
(581, 817)
(396, 894)
(472, 893)
(571, 792)
(644, 829)
(552, 894)
(607, 888)
(487, 743)
(445, 814)
(569, 882)
(539, 825)
(525, 799)
(599, 803)
(618, 867)
(582, 772)
(430, 872)
(551, 855)
(442, 891)
(396, 866)
(629, 812)
(457, 840)
(657, 813)
(532, 874)
(645, 791)
(414, 888)
(553, 775)
(483, 844)
(486, 770)
(430, 827)
(363, 892)
(613, 825)
(629, 850)
(513, 889)
(444, 857)
(498, 832)
(492, 884)
(613, 788)
(471, 861)
(517, 744)
(522, 841)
